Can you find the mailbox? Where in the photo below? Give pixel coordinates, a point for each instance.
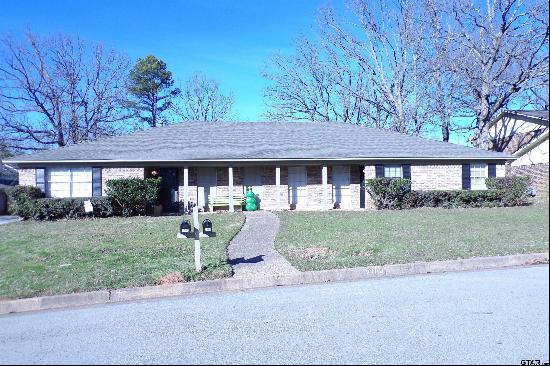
(185, 228)
(207, 228)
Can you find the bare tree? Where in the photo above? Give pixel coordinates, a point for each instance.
(500, 51)
(416, 67)
(58, 91)
(317, 83)
(202, 100)
(384, 41)
(366, 72)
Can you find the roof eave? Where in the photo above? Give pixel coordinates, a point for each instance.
(503, 157)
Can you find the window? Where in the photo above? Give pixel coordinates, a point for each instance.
(478, 174)
(393, 171)
(69, 182)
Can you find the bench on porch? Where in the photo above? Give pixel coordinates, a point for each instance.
(223, 200)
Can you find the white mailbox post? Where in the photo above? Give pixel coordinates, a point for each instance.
(198, 266)
(196, 235)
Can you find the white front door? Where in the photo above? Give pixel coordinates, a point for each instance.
(252, 177)
(297, 186)
(340, 186)
(206, 185)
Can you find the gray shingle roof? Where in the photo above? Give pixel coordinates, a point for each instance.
(534, 114)
(539, 117)
(189, 141)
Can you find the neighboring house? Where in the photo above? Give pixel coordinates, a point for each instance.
(8, 175)
(303, 165)
(525, 135)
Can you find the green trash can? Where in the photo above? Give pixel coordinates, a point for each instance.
(250, 200)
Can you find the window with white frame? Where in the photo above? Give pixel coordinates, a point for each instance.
(478, 174)
(393, 171)
(69, 182)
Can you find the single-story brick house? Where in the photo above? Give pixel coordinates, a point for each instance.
(298, 165)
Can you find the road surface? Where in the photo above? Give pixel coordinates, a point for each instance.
(496, 316)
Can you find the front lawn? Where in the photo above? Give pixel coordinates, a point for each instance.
(46, 258)
(339, 239)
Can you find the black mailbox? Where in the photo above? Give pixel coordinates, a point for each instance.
(207, 228)
(185, 228)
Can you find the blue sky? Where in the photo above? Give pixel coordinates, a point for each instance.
(226, 40)
(229, 41)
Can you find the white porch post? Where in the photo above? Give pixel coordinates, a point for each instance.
(324, 173)
(231, 208)
(278, 186)
(185, 185)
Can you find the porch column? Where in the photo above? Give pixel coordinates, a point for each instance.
(185, 185)
(324, 173)
(231, 208)
(278, 186)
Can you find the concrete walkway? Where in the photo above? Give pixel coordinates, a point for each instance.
(252, 253)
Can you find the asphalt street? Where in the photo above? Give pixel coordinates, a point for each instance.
(497, 316)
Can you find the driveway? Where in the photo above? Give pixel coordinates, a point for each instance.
(498, 316)
(4, 219)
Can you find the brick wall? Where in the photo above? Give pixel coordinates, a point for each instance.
(537, 172)
(222, 175)
(314, 188)
(501, 170)
(192, 185)
(370, 173)
(27, 177)
(269, 200)
(436, 177)
(119, 173)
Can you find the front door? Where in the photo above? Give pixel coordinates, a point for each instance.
(297, 186)
(206, 185)
(169, 190)
(253, 178)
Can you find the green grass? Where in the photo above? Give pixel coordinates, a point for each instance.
(46, 258)
(340, 239)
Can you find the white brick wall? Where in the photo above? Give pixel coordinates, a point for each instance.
(118, 173)
(27, 177)
(436, 177)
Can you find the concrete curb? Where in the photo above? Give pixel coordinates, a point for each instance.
(240, 284)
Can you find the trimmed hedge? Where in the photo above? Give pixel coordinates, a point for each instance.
(134, 196)
(71, 208)
(28, 202)
(126, 197)
(454, 199)
(388, 193)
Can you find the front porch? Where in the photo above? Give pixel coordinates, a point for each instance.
(277, 187)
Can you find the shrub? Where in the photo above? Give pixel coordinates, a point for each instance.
(396, 194)
(57, 208)
(103, 206)
(66, 208)
(454, 199)
(133, 196)
(514, 189)
(388, 193)
(20, 200)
